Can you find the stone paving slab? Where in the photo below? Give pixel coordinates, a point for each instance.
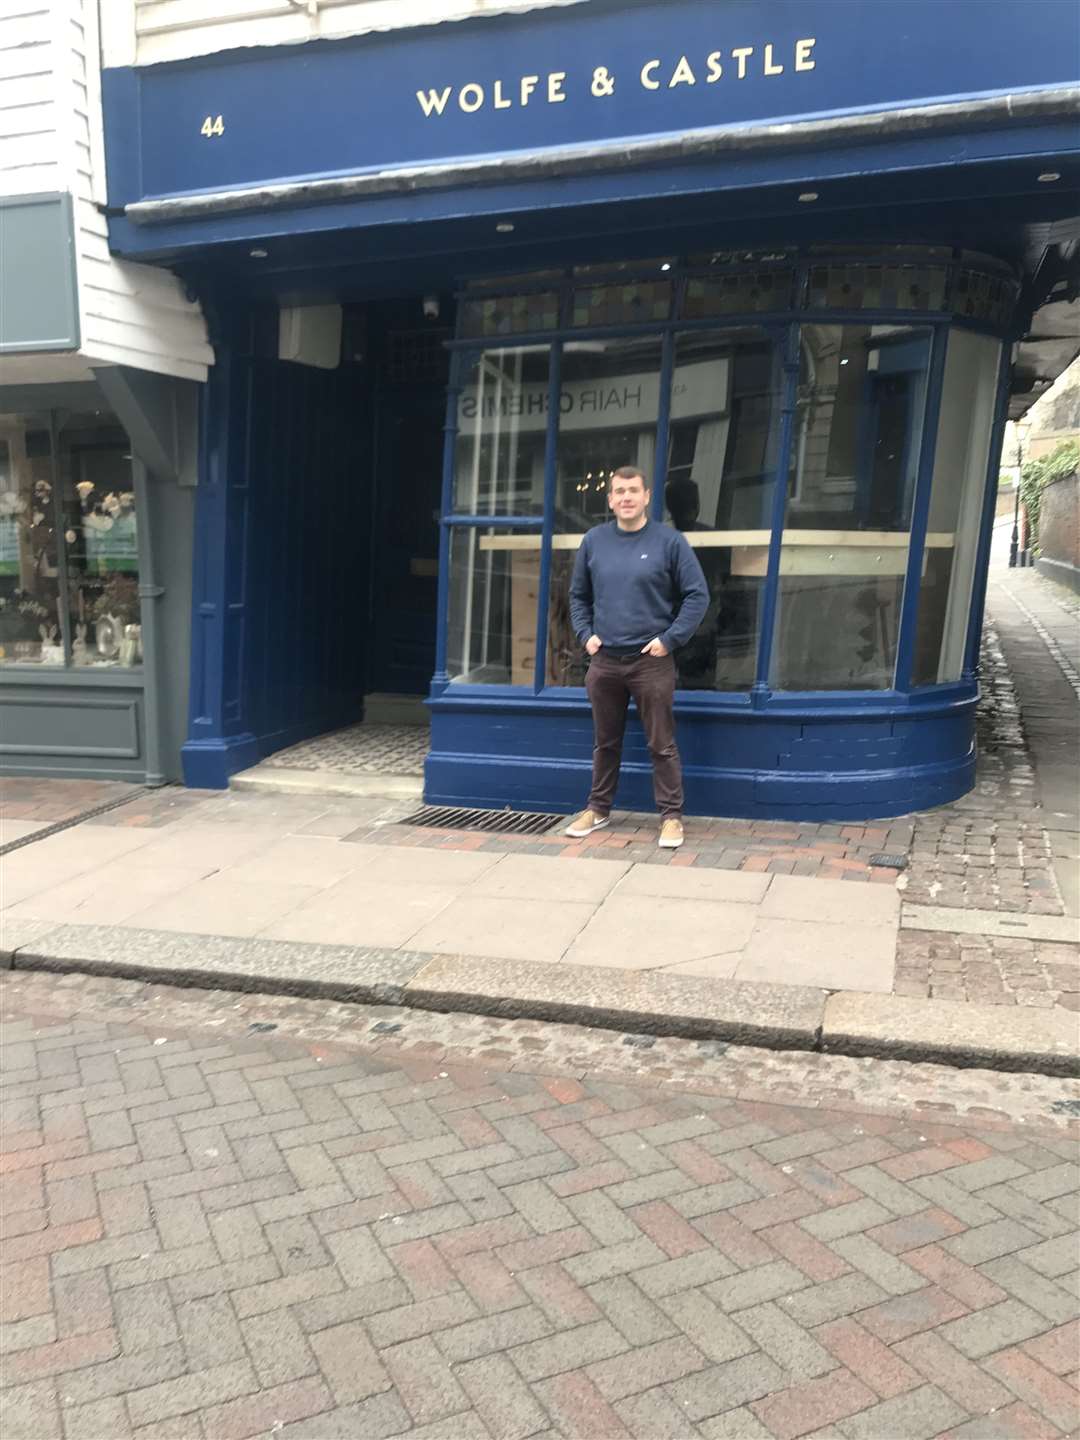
(1064, 928)
(705, 1000)
(257, 1219)
(953, 1033)
(655, 1002)
(16, 934)
(277, 966)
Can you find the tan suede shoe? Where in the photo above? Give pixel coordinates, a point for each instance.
(671, 835)
(585, 823)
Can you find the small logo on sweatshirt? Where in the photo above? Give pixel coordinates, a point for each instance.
(644, 555)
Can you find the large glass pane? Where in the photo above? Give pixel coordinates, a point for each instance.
(494, 579)
(608, 407)
(855, 458)
(97, 505)
(29, 545)
(502, 420)
(725, 405)
(956, 497)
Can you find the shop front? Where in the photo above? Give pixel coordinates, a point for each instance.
(799, 273)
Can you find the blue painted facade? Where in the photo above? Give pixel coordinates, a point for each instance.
(422, 117)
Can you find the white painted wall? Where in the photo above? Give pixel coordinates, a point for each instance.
(52, 139)
(143, 32)
(30, 148)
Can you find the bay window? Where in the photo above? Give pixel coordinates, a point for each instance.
(827, 464)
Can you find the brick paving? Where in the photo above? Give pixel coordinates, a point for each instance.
(50, 801)
(244, 1217)
(987, 970)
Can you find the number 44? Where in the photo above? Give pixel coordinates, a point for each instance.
(213, 125)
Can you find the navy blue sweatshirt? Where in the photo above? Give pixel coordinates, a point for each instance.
(633, 586)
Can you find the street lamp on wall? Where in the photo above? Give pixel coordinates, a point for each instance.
(1014, 544)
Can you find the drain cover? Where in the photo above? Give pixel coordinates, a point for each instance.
(498, 822)
(889, 860)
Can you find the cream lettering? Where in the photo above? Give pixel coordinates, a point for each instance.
(746, 61)
(770, 67)
(432, 102)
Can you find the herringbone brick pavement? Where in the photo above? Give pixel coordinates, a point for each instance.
(218, 1233)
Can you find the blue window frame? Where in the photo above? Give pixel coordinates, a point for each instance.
(781, 293)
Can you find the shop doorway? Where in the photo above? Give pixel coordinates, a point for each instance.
(410, 409)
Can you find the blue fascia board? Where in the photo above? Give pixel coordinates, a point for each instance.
(942, 167)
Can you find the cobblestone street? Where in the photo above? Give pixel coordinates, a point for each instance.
(230, 1217)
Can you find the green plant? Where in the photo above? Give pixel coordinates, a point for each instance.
(1037, 474)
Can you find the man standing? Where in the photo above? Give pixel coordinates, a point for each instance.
(637, 593)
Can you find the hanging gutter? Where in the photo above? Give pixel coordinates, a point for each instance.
(1023, 107)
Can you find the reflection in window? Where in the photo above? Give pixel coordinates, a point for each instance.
(494, 579)
(720, 478)
(608, 409)
(68, 548)
(30, 630)
(956, 495)
(855, 458)
(97, 503)
(502, 420)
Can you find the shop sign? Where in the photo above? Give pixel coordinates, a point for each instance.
(628, 401)
(593, 75)
(653, 75)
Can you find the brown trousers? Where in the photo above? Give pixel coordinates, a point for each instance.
(611, 685)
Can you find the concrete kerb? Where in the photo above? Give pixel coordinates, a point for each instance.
(770, 1016)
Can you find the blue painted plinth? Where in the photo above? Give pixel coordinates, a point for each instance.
(805, 763)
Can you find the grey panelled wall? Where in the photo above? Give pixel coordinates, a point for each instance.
(124, 723)
(62, 724)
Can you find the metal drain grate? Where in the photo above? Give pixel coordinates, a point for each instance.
(495, 822)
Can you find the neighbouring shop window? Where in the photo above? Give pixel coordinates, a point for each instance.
(69, 583)
(97, 503)
(721, 473)
(494, 582)
(855, 458)
(608, 409)
(501, 433)
(29, 544)
(961, 456)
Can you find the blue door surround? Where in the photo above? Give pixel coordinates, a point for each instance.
(282, 543)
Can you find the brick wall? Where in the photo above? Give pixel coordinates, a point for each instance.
(1059, 529)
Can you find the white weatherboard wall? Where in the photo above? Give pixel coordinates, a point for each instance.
(143, 32)
(51, 140)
